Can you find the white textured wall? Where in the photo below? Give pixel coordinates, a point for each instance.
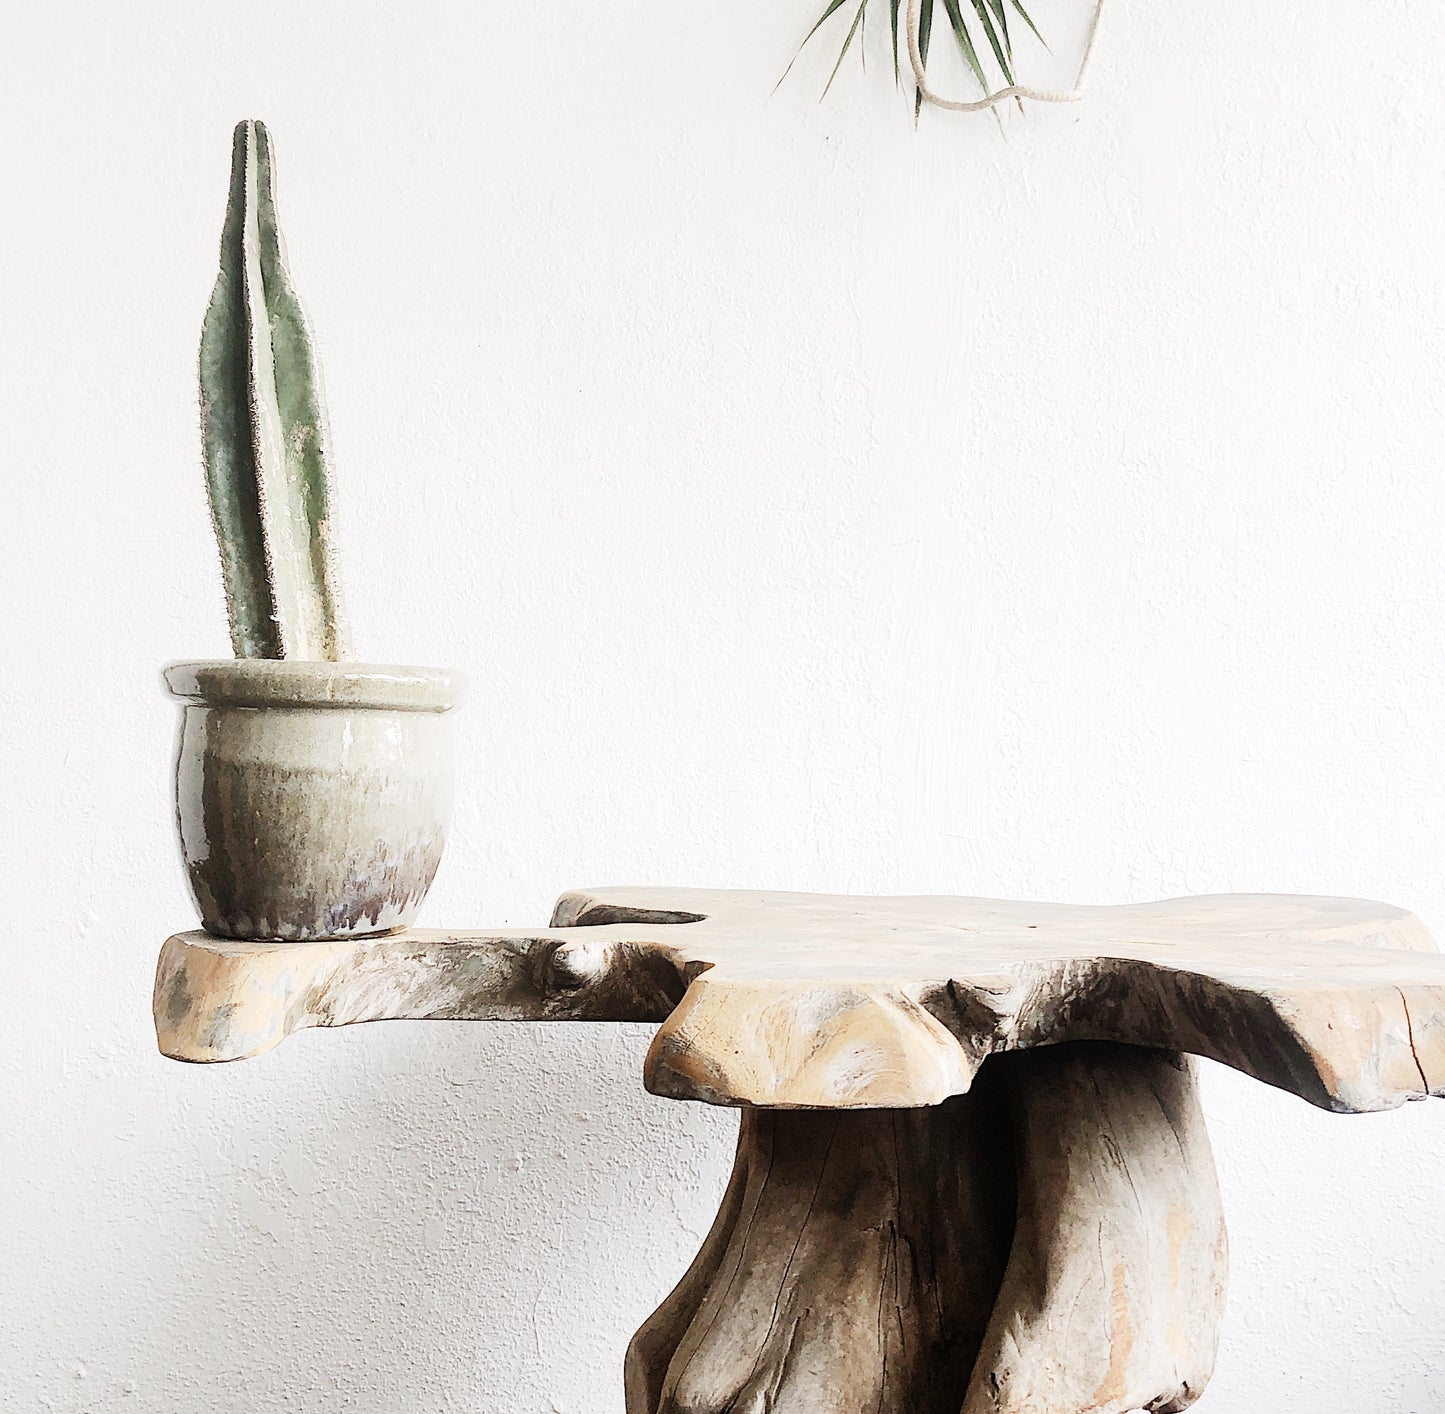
(814, 504)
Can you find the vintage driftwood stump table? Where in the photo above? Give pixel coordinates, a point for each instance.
(972, 1172)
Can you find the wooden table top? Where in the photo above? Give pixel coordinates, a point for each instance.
(831, 1001)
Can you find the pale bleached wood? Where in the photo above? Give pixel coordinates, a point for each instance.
(805, 1000)
(858, 1255)
(853, 1267)
(1115, 1286)
(858, 1262)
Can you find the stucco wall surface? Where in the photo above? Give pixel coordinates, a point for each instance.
(1051, 508)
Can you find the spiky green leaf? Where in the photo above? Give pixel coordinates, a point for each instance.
(986, 20)
(925, 34)
(1028, 20)
(1000, 14)
(847, 43)
(833, 7)
(965, 41)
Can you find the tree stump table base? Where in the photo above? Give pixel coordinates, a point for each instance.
(972, 1173)
(1051, 1241)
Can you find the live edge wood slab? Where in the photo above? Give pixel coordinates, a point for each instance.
(972, 1172)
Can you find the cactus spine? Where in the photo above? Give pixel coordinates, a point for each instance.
(263, 434)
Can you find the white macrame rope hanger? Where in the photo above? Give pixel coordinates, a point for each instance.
(1017, 90)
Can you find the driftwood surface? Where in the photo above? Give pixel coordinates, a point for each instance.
(1114, 1293)
(972, 1172)
(807, 1000)
(854, 1266)
(1050, 1243)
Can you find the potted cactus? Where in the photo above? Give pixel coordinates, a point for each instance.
(313, 793)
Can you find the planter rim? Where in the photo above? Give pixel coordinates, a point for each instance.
(287, 682)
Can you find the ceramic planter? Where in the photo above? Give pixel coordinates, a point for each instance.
(313, 799)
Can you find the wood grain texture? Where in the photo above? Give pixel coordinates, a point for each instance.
(1116, 1279)
(972, 1173)
(816, 1001)
(858, 1261)
(854, 1266)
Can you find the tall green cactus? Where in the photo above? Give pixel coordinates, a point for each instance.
(262, 428)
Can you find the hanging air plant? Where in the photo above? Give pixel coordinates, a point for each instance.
(984, 42)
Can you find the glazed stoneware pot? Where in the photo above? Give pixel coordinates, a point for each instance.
(313, 799)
